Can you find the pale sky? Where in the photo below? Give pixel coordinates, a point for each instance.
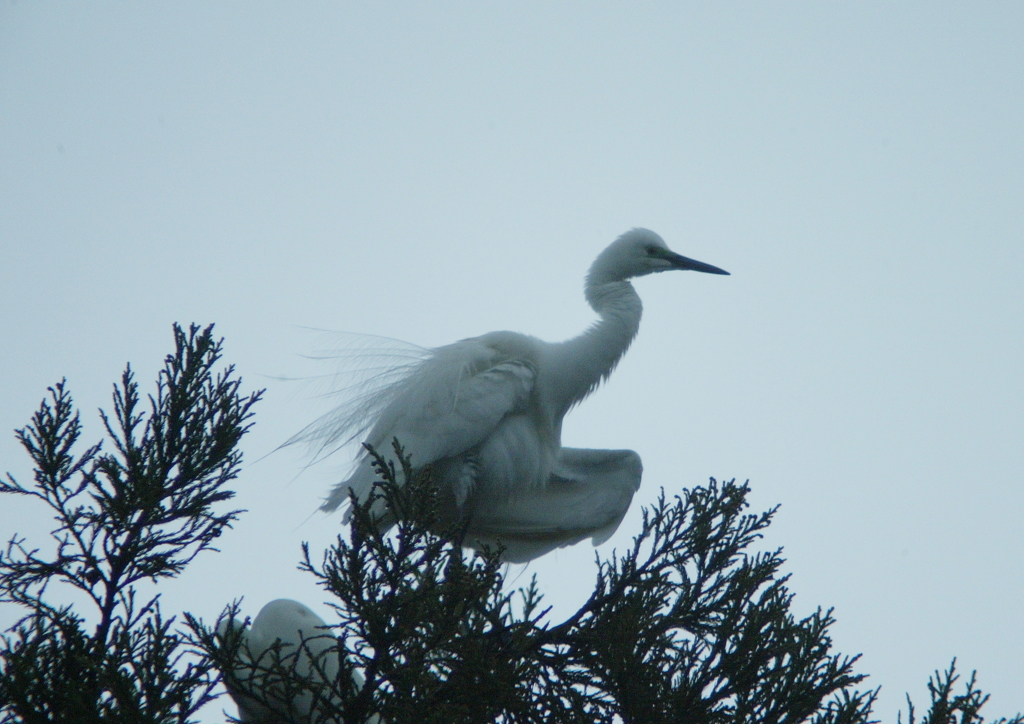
(431, 173)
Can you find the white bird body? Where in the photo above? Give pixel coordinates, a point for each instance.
(486, 414)
(305, 645)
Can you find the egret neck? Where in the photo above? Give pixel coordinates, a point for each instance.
(583, 362)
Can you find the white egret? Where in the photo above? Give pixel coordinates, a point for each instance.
(306, 646)
(486, 414)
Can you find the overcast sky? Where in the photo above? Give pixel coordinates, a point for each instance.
(431, 173)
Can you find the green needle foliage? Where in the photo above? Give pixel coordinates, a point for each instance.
(686, 625)
(689, 624)
(950, 708)
(140, 512)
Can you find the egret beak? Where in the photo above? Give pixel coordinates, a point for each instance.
(681, 262)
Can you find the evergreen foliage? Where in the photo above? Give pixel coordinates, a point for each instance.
(949, 708)
(142, 511)
(689, 624)
(685, 626)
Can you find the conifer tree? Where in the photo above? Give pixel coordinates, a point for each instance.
(689, 624)
(141, 511)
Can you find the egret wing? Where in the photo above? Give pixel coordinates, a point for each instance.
(445, 406)
(586, 497)
(453, 401)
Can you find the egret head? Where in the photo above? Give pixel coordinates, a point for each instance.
(639, 252)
